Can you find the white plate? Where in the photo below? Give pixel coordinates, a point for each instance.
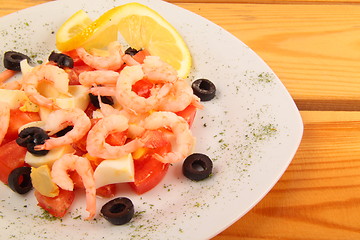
(252, 130)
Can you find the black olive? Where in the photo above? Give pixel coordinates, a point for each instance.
(64, 131)
(197, 166)
(12, 60)
(62, 60)
(204, 89)
(118, 211)
(131, 51)
(19, 180)
(32, 136)
(104, 99)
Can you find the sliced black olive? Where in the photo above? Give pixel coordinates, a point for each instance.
(104, 99)
(12, 60)
(62, 60)
(64, 131)
(131, 51)
(197, 166)
(118, 211)
(32, 136)
(19, 180)
(204, 89)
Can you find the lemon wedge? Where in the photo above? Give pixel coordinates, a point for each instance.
(66, 36)
(140, 26)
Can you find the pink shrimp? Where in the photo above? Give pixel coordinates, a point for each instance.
(57, 76)
(103, 91)
(184, 141)
(98, 77)
(112, 62)
(6, 75)
(178, 98)
(58, 120)
(158, 71)
(82, 166)
(129, 60)
(4, 119)
(96, 144)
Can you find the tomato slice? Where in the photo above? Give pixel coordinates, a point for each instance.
(17, 119)
(188, 114)
(56, 206)
(148, 173)
(140, 56)
(142, 88)
(117, 138)
(11, 156)
(107, 191)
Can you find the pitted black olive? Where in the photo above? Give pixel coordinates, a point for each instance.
(63, 131)
(204, 89)
(62, 60)
(131, 51)
(104, 99)
(197, 166)
(30, 137)
(19, 180)
(12, 60)
(118, 211)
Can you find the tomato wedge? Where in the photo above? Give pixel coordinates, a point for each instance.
(56, 206)
(17, 119)
(148, 173)
(11, 156)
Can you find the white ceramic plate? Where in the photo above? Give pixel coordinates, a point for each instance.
(251, 130)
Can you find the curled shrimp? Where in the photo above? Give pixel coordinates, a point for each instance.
(128, 98)
(178, 98)
(184, 141)
(82, 166)
(96, 144)
(112, 62)
(58, 120)
(4, 119)
(50, 73)
(158, 71)
(98, 77)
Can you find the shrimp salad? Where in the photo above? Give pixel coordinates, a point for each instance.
(87, 121)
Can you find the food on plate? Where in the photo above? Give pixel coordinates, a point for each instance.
(19, 180)
(197, 167)
(12, 60)
(91, 118)
(118, 211)
(204, 89)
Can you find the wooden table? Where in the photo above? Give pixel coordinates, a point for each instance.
(314, 48)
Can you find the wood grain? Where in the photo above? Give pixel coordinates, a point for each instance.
(318, 197)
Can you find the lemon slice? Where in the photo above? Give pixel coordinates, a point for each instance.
(141, 27)
(65, 36)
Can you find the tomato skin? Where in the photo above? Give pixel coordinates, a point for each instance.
(11, 156)
(188, 114)
(107, 191)
(117, 138)
(140, 56)
(17, 119)
(56, 206)
(142, 88)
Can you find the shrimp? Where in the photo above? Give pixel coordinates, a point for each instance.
(126, 97)
(129, 60)
(13, 85)
(82, 166)
(96, 144)
(103, 91)
(4, 119)
(184, 142)
(58, 120)
(178, 98)
(112, 62)
(57, 76)
(158, 71)
(98, 77)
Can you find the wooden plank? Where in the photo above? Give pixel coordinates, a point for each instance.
(314, 49)
(318, 197)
